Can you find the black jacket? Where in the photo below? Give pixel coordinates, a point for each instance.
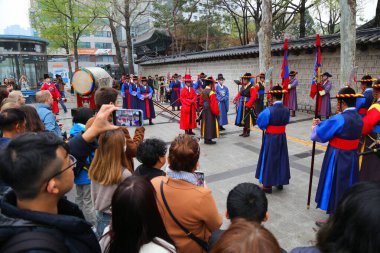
(148, 172)
(68, 226)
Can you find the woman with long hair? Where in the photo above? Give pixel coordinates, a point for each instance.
(137, 225)
(33, 121)
(12, 123)
(108, 169)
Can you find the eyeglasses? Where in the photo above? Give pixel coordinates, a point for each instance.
(73, 162)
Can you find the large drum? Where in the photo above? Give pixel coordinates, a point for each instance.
(87, 80)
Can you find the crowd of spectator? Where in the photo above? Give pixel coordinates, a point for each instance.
(157, 207)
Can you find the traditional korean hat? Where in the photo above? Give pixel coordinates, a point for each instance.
(135, 78)
(175, 75)
(208, 81)
(220, 77)
(187, 78)
(277, 89)
(327, 74)
(247, 75)
(144, 79)
(46, 76)
(367, 79)
(202, 75)
(293, 73)
(376, 84)
(262, 75)
(348, 93)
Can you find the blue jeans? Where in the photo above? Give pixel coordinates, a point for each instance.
(60, 101)
(102, 221)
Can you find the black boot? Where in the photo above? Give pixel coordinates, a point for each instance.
(221, 128)
(150, 122)
(244, 130)
(190, 132)
(173, 108)
(207, 141)
(186, 131)
(247, 132)
(293, 113)
(179, 108)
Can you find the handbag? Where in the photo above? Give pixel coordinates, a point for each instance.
(199, 241)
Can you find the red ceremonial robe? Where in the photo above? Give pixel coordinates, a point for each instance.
(55, 94)
(188, 99)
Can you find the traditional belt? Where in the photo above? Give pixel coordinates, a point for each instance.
(175, 88)
(275, 129)
(363, 111)
(344, 144)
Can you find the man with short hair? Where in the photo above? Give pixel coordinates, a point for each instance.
(105, 96)
(246, 200)
(39, 169)
(45, 102)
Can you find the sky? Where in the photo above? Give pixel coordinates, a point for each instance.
(16, 12)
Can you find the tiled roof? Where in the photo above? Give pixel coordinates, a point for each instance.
(366, 36)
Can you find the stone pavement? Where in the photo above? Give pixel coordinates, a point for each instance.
(233, 160)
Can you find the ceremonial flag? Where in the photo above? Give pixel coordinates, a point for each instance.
(317, 68)
(285, 73)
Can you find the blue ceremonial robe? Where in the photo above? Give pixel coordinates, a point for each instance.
(223, 97)
(175, 87)
(133, 92)
(146, 104)
(340, 168)
(273, 167)
(364, 103)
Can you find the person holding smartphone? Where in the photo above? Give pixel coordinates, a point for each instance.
(145, 94)
(192, 206)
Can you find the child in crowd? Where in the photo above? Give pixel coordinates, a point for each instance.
(82, 181)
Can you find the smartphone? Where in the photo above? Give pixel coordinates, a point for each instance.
(128, 117)
(200, 175)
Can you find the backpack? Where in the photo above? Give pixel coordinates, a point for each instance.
(33, 241)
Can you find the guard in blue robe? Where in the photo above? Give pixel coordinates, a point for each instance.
(144, 94)
(127, 97)
(340, 168)
(223, 97)
(364, 103)
(273, 166)
(133, 92)
(175, 90)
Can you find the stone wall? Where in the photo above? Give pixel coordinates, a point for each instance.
(368, 61)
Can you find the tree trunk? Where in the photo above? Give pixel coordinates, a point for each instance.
(207, 25)
(117, 46)
(302, 25)
(127, 19)
(348, 38)
(67, 49)
(377, 17)
(265, 36)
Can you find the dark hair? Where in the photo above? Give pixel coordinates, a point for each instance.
(355, 225)
(367, 83)
(82, 115)
(349, 100)
(184, 153)
(33, 121)
(278, 96)
(105, 96)
(10, 117)
(150, 150)
(27, 161)
(135, 217)
(248, 201)
(3, 93)
(246, 237)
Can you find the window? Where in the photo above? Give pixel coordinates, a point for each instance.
(84, 58)
(82, 44)
(103, 34)
(104, 58)
(102, 45)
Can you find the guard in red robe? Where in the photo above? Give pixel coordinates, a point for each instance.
(53, 91)
(188, 99)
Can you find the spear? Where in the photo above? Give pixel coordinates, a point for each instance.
(316, 83)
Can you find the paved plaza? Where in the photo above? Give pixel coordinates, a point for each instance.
(233, 160)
